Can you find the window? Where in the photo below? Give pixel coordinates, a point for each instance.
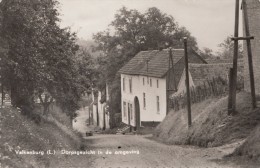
(124, 109)
(151, 82)
(157, 83)
(143, 81)
(158, 103)
(123, 84)
(130, 85)
(131, 111)
(144, 100)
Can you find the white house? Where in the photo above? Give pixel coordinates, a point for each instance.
(99, 108)
(146, 82)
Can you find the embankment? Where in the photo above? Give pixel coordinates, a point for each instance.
(211, 126)
(20, 135)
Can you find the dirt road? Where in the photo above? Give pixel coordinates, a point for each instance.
(80, 122)
(151, 153)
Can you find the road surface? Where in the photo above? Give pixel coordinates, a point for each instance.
(152, 154)
(80, 122)
(121, 151)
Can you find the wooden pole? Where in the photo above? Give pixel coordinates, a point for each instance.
(187, 81)
(243, 38)
(168, 80)
(234, 76)
(249, 52)
(230, 91)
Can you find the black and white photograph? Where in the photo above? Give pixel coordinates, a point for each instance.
(129, 83)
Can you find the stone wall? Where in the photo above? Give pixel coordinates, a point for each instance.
(254, 26)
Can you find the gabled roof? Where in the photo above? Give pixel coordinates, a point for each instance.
(201, 73)
(152, 63)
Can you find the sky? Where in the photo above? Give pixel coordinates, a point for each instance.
(209, 21)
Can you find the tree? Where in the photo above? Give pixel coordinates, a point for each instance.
(41, 56)
(227, 49)
(134, 32)
(206, 53)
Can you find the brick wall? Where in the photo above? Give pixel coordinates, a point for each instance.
(254, 25)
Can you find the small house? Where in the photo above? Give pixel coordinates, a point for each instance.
(100, 111)
(146, 82)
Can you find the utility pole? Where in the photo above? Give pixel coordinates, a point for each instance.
(249, 52)
(233, 82)
(235, 57)
(187, 81)
(230, 91)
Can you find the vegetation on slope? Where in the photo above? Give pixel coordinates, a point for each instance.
(251, 147)
(211, 126)
(20, 133)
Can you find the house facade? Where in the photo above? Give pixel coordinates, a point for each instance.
(143, 99)
(146, 81)
(99, 109)
(253, 8)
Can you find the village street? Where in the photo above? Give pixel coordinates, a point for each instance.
(151, 153)
(141, 151)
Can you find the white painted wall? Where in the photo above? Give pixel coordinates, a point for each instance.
(95, 115)
(101, 111)
(149, 113)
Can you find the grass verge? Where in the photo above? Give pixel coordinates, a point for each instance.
(20, 133)
(211, 126)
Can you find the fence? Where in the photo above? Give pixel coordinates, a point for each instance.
(216, 87)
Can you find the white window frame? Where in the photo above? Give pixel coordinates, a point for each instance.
(144, 101)
(130, 86)
(131, 111)
(158, 104)
(123, 84)
(124, 110)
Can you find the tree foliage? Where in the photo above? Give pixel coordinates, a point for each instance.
(41, 56)
(227, 49)
(206, 53)
(131, 33)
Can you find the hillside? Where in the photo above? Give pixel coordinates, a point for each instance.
(211, 126)
(251, 147)
(19, 133)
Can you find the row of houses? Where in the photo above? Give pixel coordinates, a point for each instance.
(147, 80)
(145, 83)
(99, 109)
